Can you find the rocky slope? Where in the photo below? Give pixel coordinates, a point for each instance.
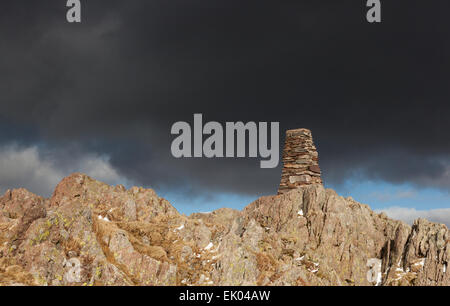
(89, 233)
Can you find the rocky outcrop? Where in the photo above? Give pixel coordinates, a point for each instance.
(89, 233)
(300, 161)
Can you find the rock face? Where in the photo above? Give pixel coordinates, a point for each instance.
(300, 161)
(89, 233)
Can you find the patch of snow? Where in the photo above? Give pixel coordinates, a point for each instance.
(104, 219)
(180, 227)
(400, 275)
(300, 258)
(216, 249)
(420, 263)
(209, 246)
(445, 268)
(300, 212)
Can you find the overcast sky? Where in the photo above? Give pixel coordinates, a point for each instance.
(100, 96)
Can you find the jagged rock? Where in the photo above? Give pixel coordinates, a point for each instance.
(89, 233)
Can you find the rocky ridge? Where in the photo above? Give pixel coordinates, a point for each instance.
(89, 233)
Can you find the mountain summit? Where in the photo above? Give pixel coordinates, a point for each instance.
(89, 233)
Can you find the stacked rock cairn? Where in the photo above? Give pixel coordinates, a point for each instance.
(300, 161)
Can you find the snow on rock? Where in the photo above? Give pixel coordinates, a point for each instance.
(420, 263)
(103, 218)
(180, 227)
(209, 246)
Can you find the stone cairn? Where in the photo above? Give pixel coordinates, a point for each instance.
(300, 161)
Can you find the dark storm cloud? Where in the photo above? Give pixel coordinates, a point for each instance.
(375, 96)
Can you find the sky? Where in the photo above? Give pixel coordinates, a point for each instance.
(100, 97)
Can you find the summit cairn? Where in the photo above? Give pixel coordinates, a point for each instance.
(300, 161)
